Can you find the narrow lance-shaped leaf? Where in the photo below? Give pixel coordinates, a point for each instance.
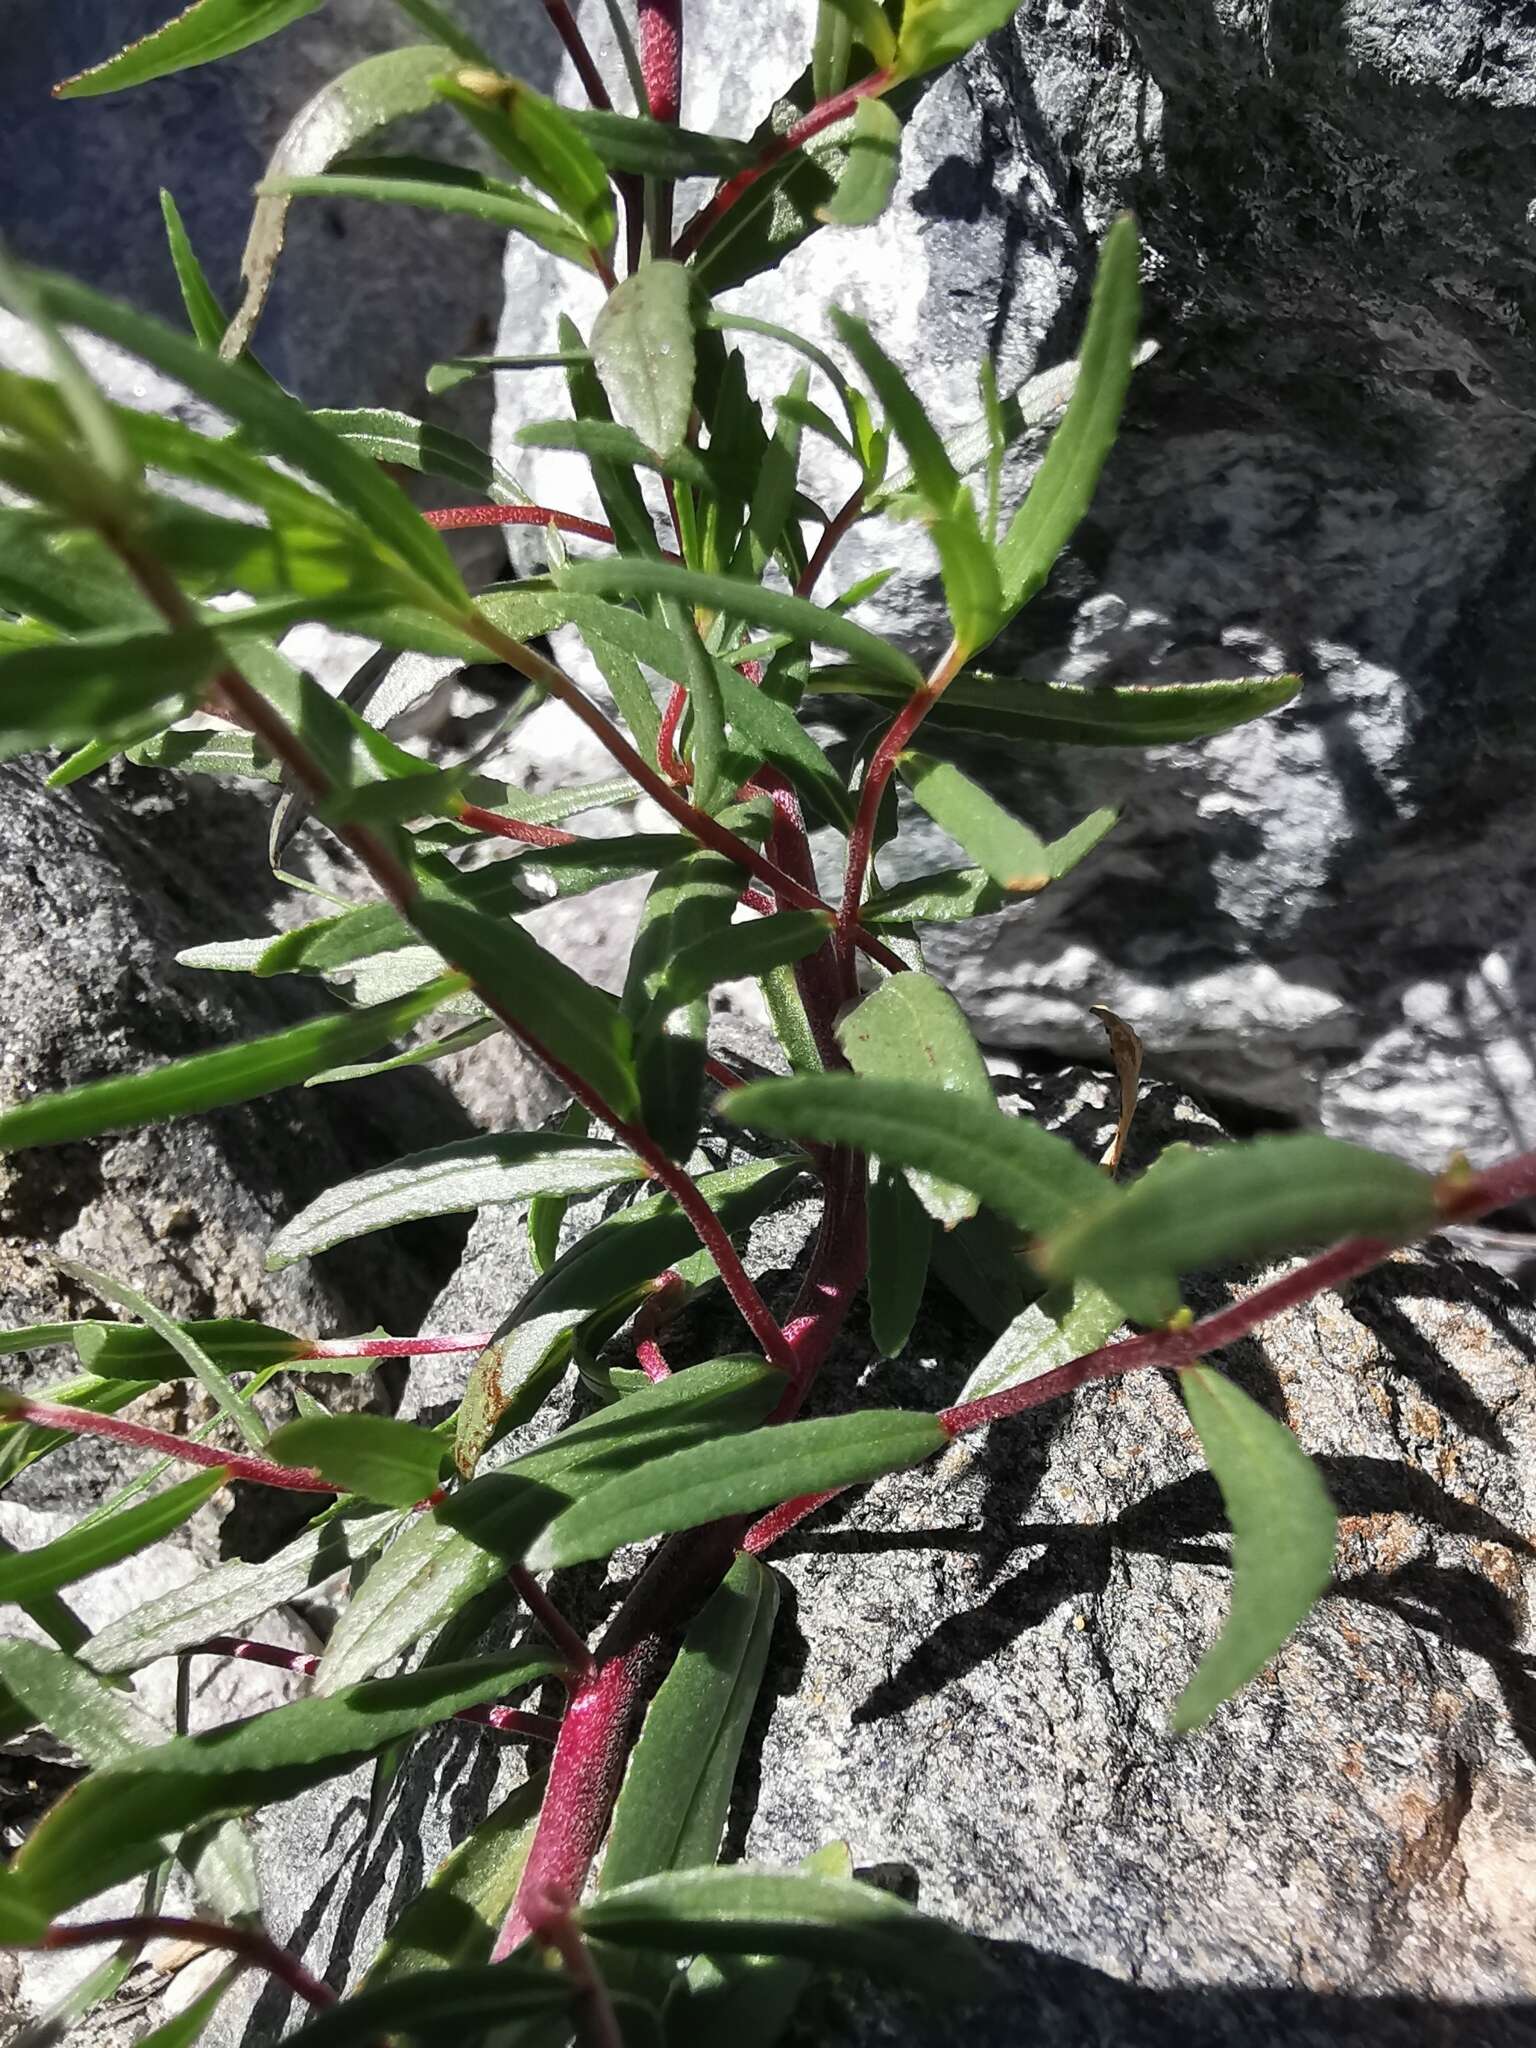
(1223, 1203)
(375, 1456)
(691, 901)
(213, 1080)
(971, 585)
(465, 2004)
(1028, 1174)
(539, 993)
(744, 1910)
(912, 1030)
(438, 188)
(127, 1351)
(755, 603)
(27, 1574)
(1283, 1531)
(204, 313)
(672, 1811)
(541, 142)
(642, 344)
(215, 1381)
(1069, 714)
(750, 949)
(1066, 479)
(1053, 1331)
(747, 2000)
(513, 1167)
(1014, 856)
(110, 1827)
(366, 97)
(935, 32)
(735, 1476)
(900, 1240)
(61, 694)
(205, 30)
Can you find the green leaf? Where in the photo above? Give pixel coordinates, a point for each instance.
(947, 896)
(439, 188)
(1226, 1203)
(186, 2027)
(224, 1599)
(204, 313)
(744, 1910)
(68, 580)
(672, 1811)
(978, 1261)
(1066, 479)
(756, 603)
(206, 30)
(869, 22)
(773, 732)
(935, 32)
(541, 142)
(104, 1724)
(371, 1455)
(443, 1559)
(468, 2005)
(642, 344)
(510, 1377)
(746, 2000)
(900, 1239)
(614, 479)
(128, 1351)
(110, 1826)
(444, 1047)
(211, 751)
(281, 425)
(212, 1080)
(1139, 715)
(690, 902)
(1283, 1531)
(747, 950)
(912, 1030)
(540, 994)
(1053, 1331)
(971, 585)
(607, 441)
(1014, 857)
(364, 98)
(62, 694)
(453, 1920)
(26, 1574)
(212, 1376)
(410, 443)
(868, 178)
(22, 1924)
(479, 1173)
(657, 149)
(1028, 1174)
(736, 1476)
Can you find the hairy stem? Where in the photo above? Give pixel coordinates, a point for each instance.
(582, 61)
(250, 1944)
(824, 115)
(495, 826)
(833, 533)
(453, 518)
(551, 1620)
(83, 1422)
(395, 1347)
(553, 1925)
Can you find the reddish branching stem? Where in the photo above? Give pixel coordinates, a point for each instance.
(825, 115)
(861, 841)
(499, 827)
(551, 1620)
(668, 759)
(582, 60)
(395, 1347)
(82, 1422)
(552, 1923)
(454, 518)
(833, 533)
(777, 1523)
(250, 1944)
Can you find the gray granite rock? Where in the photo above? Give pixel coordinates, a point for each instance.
(366, 296)
(1326, 469)
(974, 1665)
(97, 895)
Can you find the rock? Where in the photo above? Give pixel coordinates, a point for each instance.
(1325, 469)
(96, 897)
(366, 296)
(974, 1666)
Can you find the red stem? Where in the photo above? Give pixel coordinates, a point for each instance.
(250, 1944)
(81, 1422)
(395, 1347)
(551, 1620)
(581, 57)
(554, 1927)
(661, 57)
(668, 759)
(844, 518)
(498, 827)
(861, 840)
(810, 124)
(778, 1521)
(652, 1359)
(505, 1720)
(452, 518)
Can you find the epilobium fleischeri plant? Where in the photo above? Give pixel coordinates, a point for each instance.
(700, 597)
